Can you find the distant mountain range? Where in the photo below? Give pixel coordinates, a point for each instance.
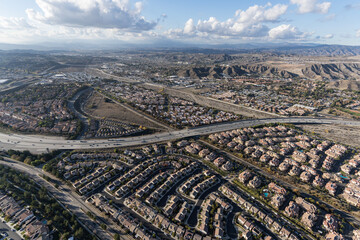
(307, 49)
(318, 50)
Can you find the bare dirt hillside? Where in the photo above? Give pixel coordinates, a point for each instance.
(235, 71)
(350, 71)
(345, 85)
(344, 76)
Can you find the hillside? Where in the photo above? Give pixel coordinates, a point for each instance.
(345, 85)
(350, 71)
(332, 72)
(234, 71)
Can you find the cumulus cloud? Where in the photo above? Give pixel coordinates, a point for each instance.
(310, 6)
(245, 23)
(286, 31)
(189, 27)
(119, 14)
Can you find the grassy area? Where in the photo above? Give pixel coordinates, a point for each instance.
(349, 111)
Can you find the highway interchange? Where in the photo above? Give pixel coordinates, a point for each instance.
(40, 144)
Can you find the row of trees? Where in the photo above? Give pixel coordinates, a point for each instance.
(28, 193)
(32, 159)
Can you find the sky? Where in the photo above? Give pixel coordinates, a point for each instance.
(186, 21)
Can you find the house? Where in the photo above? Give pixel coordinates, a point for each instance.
(277, 200)
(188, 235)
(331, 187)
(247, 235)
(241, 220)
(218, 233)
(292, 210)
(255, 182)
(293, 237)
(285, 232)
(305, 176)
(172, 227)
(334, 236)
(197, 237)
(276, 226)
(36, 228)
(261, 215)
(165, 224)
(306, 205)
(318, 181)
(276, 188)
(347, 168)
(309, 219)
(204, 152)
(299, 156)
(356, 234)
(330, 223)
(284, 166)
(227, 166)
(180, 231)
(295, 171)
(245, 176)
(269, 220)
(23, 216)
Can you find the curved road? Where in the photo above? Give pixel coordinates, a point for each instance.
(39, 144)
(63, 195)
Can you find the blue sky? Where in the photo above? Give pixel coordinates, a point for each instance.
(199, 21)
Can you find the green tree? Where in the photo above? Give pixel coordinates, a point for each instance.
(116, 236)
(79, 234)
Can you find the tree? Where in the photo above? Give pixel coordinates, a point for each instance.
(79, 234)
(28, 160)
(116, 236)
(103, 226)
(65, 235)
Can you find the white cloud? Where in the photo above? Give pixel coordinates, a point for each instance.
(246, 23)
(13, 23)
(38, 33)
(358, 33)
(286, 31)
(328, 17)
(189, 27)
(117, 14)
(329, 36)
(310, 6)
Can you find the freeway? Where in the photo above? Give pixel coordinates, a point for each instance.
(40, 144)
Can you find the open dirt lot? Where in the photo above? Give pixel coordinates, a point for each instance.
(338, 133)
(96, 106)
(187, 94)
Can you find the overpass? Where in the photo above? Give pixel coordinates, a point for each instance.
(40, 144)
